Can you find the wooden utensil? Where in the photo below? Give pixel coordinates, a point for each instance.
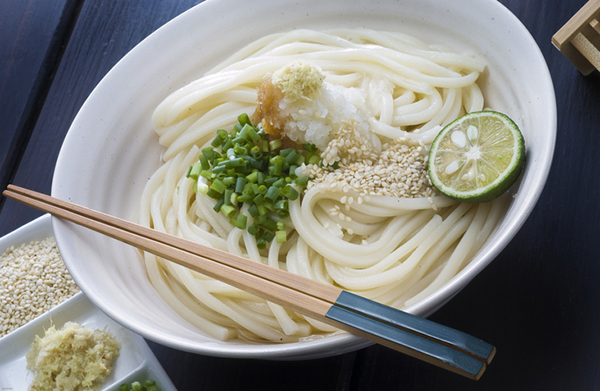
(579, 38)
(428, 341)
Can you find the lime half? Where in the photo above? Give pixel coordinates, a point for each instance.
(477, 157)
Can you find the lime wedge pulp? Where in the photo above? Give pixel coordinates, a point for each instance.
(477, 157)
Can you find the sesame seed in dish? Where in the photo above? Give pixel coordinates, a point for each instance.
(33, 280)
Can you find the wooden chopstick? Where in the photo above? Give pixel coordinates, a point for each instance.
(428, 341)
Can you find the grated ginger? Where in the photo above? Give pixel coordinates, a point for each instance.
(298, 80)
(73, 358)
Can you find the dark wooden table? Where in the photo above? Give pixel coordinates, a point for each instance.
(538, 302)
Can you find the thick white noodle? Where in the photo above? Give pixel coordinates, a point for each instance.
(393, 250)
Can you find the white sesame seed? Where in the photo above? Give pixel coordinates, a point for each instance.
(400, 170)
(33, 279)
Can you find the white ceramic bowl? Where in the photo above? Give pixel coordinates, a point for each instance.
(110, 149)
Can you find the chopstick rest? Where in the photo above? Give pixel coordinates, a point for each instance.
(428, 341)
(579, 39)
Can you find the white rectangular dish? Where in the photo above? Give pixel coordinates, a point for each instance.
(136, 361)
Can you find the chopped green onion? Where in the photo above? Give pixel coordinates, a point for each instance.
(281, 236)
(219, 205)
(253, 210)
(227, 196)
(302, 181)
(292, 157)
(275, 144)
(315, 159)
(261, 243)
(200, 187)
(219, 186)
(252, 177)
(256, 163)
(222, 134)
(204, 163)
(208, 153)
(239, 184)
(149, 385)
(279, 183)
(259, 200)
(194, 173)
(219, 169)
(228, 210)
(231, 163)
(269, 224)
(309, 148)
(217, 141)
(206, 174)
(262, 210)
(277, 167)
(290, 192)
(236, 129)
(213, 194)
(253, 135)
(240, 221)
(270, 180)
(272, 193)
(253, 229)
(268, 236)
(281, 204)
(246, 198)
(287, 151)
(243, 119)
(244, 166)
(230, 153)
(240, 150)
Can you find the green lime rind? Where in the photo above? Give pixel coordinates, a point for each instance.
(500, 184)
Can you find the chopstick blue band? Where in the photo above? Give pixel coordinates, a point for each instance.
(463, 363)
(449, 336)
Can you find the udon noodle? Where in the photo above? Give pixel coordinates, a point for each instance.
(395, 248)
